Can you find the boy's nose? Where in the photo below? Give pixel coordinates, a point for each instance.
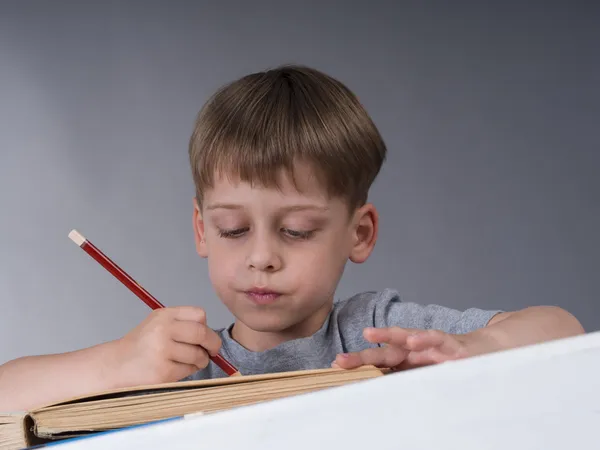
(264, 257)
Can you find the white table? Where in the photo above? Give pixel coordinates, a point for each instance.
(539, 397)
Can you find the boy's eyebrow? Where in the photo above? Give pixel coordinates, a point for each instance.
(223, 206)
(285, 208)
(305, 207)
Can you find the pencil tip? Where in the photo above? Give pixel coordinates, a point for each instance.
(76, 237)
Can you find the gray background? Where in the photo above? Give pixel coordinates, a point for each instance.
(489, 197)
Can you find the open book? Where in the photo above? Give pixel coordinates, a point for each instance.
(127, 407)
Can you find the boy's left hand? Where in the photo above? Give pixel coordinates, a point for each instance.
(405, 348)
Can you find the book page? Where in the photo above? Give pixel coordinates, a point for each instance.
(196, 384)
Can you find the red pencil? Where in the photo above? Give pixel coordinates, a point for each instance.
(134, 287)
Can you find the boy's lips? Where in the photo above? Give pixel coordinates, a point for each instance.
(262, 296)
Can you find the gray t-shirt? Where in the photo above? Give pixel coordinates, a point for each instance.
(342, 332)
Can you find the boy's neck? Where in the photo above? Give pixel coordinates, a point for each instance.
(259, 341)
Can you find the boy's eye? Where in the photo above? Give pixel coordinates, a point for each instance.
(232, 233)
(298, 234)
(238, 232)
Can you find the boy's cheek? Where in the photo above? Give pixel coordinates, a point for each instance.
(222, 272)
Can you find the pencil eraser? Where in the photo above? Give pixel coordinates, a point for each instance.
(76, 237)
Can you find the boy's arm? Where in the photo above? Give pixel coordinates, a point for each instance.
(35, 380)
(527, 326)
(169, 345)
(406, 348)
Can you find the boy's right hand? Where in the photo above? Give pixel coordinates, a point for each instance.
(170, 344)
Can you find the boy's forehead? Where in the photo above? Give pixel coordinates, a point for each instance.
(302, 185)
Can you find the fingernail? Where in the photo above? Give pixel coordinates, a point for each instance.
(343, 355)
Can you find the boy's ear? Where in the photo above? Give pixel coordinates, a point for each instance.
(199, 231)
(364, 233)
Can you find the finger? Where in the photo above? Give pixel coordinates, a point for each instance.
(179, 371)
(188, 313)
(446, 344)
(196, 334)
(347, 361)
(380, 357)
(392, 335)
(426, 357)
(192, 355)
(426, 339)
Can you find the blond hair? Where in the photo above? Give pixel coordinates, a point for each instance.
(269, 121)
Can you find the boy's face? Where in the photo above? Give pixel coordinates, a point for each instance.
(275, 256)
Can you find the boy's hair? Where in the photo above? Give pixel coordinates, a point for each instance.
(254, 127)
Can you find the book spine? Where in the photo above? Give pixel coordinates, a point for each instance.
(93, 435)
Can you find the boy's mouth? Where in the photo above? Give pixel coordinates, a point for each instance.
(262, 296)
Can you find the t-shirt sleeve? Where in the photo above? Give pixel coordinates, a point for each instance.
(389, 311)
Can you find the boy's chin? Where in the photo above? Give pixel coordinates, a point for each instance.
(287, 326)
(267, 324)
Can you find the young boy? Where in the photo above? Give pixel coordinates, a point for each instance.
(282, 162)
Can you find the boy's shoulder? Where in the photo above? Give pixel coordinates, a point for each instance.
(386, 308)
